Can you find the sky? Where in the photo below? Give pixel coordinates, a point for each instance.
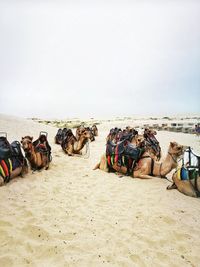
(61, 59)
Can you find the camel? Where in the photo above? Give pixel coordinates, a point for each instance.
(133, 142)
(114, 135)
(37, 154)
(187, 177)
(190, 187)
(94, 130)
(81, 128)
(73, 146)
(14, 165)
(146, 167)
(91, 133)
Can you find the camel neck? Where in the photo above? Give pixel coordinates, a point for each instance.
(80, 144)
(168, 164)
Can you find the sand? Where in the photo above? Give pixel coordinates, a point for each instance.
(71, 215)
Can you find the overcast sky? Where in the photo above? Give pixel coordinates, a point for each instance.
(99, 58)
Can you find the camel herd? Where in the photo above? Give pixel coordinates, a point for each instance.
(127, 152)
(72, 144)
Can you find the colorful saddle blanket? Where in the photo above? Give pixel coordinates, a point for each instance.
(123, 153)
(11, 157)
(187, 174)
(190, 167)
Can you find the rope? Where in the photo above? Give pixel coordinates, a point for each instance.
(86, 155)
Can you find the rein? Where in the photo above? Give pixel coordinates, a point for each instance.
(175, 160)
(86, 155)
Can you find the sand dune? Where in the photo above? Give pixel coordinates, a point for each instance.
(71, 215)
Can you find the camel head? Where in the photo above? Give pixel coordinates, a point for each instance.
(176, 149)
(85, 134)
(91, 133)
(79, 131)
(149, 132)
(26, 143)
(138, 140)
(94, 130)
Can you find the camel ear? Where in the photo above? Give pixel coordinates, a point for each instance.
(31, 138)
(172, 144)
(22, 139)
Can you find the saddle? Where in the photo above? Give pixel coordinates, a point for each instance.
(58, 136)
(123, 153)
(11, 157)
(41, 145)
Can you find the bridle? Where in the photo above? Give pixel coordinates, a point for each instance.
(175, 160)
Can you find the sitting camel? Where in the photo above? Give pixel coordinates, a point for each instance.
(71, 145)
(187, 177)
(12, 162)
(81, 129)
(125, 153)
(94, 130)
(146, 167)
(190, 187)
(37, 152)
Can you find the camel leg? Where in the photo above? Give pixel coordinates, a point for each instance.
(144, 176)
(173, 186)
(45, 161)
(16, 172)
(47, 164)
(184, 187)
(1, 181)
(96, 166)
(120, 169)
(69, 150)
(38, 159)
(24, 170)
(103, 164)
(138, 174)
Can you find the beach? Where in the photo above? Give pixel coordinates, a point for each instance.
(71, 215)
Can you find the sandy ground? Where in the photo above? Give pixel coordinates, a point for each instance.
(71, 215)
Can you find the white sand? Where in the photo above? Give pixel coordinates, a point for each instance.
(71, 215)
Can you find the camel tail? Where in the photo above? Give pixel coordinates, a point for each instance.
(97, 166)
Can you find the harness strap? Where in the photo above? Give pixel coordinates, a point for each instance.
(172, 157)
(152, 166)
(196, 187)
